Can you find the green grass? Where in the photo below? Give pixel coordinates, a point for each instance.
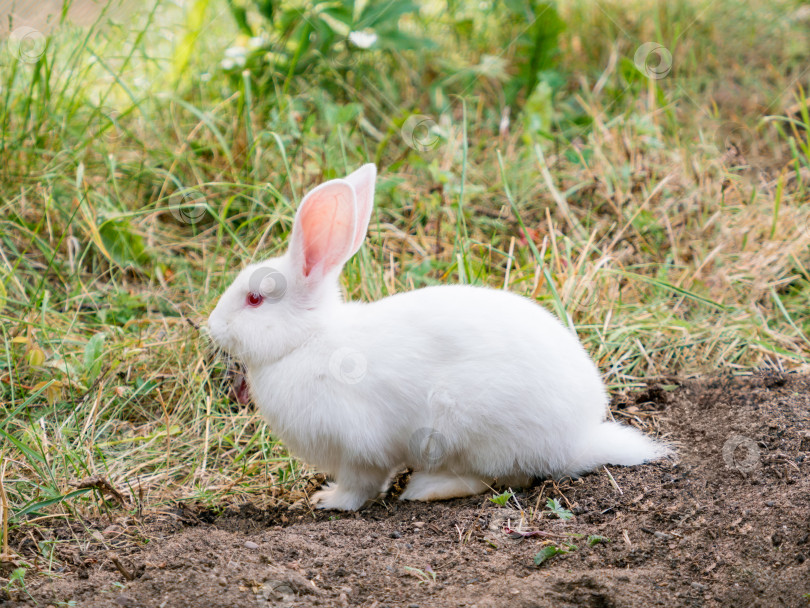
(666, 220)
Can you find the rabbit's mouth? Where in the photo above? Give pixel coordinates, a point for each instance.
(240, 390)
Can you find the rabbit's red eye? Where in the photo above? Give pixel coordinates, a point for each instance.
(254, 299)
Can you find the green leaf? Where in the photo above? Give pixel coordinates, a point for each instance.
(143, 387)
(92, 354)
(3, 295)
(195, 22)
(239, 14)
(18, 576)
(125, 246)
(537, 48)
(595, 539)
(539, 112)
(553, 505)
(32, 456)
(342, 114)
(34, 507)
(376, 15)
(583, 158)
(502, 499)
(670, 287)
(32, 398)
(547, 553)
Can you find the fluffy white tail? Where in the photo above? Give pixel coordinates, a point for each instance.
(614, 443)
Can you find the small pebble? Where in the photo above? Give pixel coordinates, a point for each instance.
(769, 503)
(698, 586)
(396, 534)
(249, 544)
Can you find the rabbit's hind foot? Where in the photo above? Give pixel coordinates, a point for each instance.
(426, 485)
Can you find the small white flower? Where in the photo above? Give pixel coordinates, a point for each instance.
(237, 55)
(256, 42)
(228, 64)
(363, 40)
(235, 51)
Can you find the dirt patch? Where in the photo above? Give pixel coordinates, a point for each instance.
(726, 524)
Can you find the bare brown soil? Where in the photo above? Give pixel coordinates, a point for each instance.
(727, 523)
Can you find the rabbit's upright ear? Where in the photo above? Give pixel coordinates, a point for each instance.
(363, 181)
(324, 230)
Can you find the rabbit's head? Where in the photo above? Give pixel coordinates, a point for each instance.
(273, 306)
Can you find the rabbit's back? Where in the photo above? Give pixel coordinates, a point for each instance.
(497, 377)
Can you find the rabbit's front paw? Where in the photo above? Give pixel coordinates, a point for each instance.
(332, 497)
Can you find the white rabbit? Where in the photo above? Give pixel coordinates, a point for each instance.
(466, 385)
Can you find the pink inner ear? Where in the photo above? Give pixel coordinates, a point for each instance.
(326, 226)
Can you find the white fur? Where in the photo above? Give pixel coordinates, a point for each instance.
(466, 384)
